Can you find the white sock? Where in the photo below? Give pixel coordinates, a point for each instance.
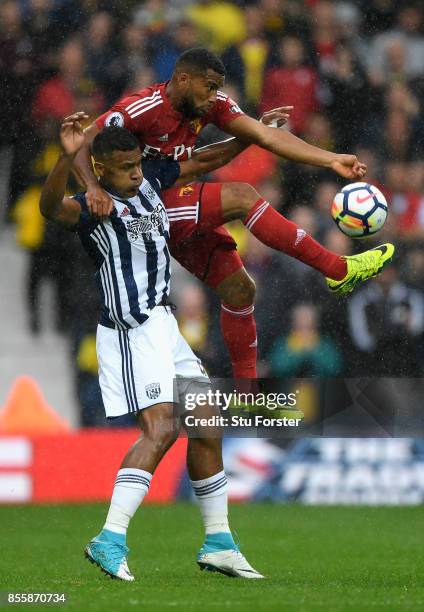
(212, 495)
(131, 485)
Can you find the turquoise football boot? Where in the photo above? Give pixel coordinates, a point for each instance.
(109, 552)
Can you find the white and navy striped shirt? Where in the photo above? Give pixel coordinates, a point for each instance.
(130, 249)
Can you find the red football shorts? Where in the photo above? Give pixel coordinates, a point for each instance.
(198, 240)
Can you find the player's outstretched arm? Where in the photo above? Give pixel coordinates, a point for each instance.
(53, 203)
(287, 145)
(214, 156)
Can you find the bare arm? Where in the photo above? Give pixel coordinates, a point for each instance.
(213, 156)
(53, 203)
(286, 145)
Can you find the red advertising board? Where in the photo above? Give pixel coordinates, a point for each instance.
(78, 467)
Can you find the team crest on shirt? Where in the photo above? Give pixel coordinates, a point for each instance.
(185, 191)
(137, 227)
(115, 120)
(195, 126)
(153, 390)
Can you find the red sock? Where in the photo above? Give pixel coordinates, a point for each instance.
(277, 232)
(239, 332)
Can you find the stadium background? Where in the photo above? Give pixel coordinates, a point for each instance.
(354, 72)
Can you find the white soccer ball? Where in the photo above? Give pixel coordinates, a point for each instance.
(359, 210)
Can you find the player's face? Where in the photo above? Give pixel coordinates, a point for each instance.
(200, 93)
(122, 173)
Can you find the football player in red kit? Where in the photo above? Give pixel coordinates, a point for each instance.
(167, 119)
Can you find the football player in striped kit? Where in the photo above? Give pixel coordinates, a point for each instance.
(145, 365)
(167, 118)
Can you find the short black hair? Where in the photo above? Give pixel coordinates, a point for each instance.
(112, 139)
(200, 59)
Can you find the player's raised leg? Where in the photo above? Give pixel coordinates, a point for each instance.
(242, 201)
(108, 550)
(204, 463)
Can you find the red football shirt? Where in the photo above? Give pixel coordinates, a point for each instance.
(162, 131)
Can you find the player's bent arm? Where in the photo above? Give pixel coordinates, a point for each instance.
(280, 142)
(215, 155)
(53, 203)
(209, 158)
(82, 167)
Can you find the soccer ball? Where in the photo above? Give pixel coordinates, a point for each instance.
(359, 210)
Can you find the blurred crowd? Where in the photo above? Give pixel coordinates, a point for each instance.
(354, 72)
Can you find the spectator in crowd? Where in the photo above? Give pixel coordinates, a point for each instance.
(252, 166)
(404, 189)
(183, 37)
(156, 16)
(325, 35)
(304, 352)
(378, 15)
(45, 29)
(139, 80)
(220, 23)
(413, 270)
(301, 181)
(274, 22)
(18, 69)
(294, 83)
(348, 89)
(133, 42)
(101, 56)
(399, 50)
(58, 96)
(50, 249)
(386, 319)
(245, 62)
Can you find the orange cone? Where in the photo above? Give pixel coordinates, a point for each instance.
(27, 412)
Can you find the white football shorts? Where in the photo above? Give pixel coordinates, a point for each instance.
(146, 365)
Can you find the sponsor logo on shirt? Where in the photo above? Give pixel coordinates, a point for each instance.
(155, 222)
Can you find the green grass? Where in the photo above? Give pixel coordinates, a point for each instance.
(356, 559)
